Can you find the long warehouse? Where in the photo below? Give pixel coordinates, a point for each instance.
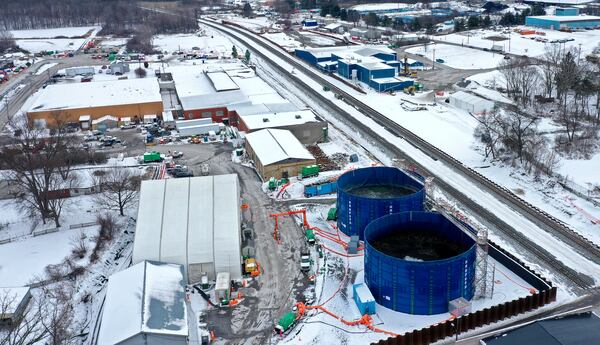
(194, 222)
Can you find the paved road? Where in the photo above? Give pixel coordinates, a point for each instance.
(442, 77)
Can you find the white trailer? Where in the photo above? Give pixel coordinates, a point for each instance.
(73, 71)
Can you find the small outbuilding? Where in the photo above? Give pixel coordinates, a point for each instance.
(471, 103)
(306, 126)
(13, 303)
(145, 304)
(277, 153)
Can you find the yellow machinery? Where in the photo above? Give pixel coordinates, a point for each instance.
(251, 267)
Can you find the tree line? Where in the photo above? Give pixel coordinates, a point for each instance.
(561, 88)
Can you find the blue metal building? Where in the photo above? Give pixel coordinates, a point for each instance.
(418, 285)
(312, 57)
(356, 211)
(563, 21)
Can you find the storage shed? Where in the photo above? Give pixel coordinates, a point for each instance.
(145, 304)
(277, 153)
(364, 299)
(13, 303)
(194, 222)
(471, 103)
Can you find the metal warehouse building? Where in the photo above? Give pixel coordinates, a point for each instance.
(471, 103)
(194, 222)
(305, 125)
(119, 98)
(277, 153)
(145, 305)
(558, 22)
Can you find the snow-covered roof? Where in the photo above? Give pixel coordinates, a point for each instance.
(149, 116)
(195, 122)
(270, 120)
(148, 297)
(222, 82)
(332, 26)
(563, 2)
(469, 98)
(97, 94)
(382, 6)
(363, 292)
(85, 118)
(276, 145)
(11, 298)
(190, 220)
(375, 66)
(567, 18)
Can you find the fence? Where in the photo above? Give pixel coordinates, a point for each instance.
(546, 294)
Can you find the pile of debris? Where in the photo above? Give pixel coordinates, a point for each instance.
(324, 162)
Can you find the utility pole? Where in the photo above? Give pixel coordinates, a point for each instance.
(433, 61)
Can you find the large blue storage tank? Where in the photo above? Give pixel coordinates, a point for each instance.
(369, 193)
(416, 262)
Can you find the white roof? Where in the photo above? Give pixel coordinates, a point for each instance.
(222, 82)
(103, 119)
(97, 94)
(85, 118)
(332, 26)
(563, 2)
(148, 297)
(567, 18)
(195, 122)
(376, 65)
(11, 298)
(276, 145)
(364, 294)
(150, 116)
(190, 220)
(341, 50)
(254, 122)
(222, 281)
(466, 97)
(167, 116)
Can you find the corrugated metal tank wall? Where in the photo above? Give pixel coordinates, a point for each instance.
(356, 212)
(418, 287)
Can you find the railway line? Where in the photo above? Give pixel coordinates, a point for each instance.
(537, 216)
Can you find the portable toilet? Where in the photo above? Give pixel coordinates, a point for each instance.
(364, 299)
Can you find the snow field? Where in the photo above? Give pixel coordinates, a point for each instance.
(458, 57)
(55, 32)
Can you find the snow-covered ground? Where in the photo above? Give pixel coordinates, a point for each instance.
(317, 40)
(114, 42)
(255, 24)
(335, 295)
(55, 32)
(58, 44)
(458, 57)
(514, 219)
(523, 44)
(206, 41)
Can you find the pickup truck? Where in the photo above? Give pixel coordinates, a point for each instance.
(305, 259)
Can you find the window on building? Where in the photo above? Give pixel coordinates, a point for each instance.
(206, 114)
(219, 113)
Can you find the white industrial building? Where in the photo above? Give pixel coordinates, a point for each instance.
(145, 304)
(471, 103)
(195, 222)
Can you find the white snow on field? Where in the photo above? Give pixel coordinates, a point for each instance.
(58, 44)
(318, 40)
(458, 57)
(283, 40)
(55, 32)
(524, 44)
(114, 42)
(251, 23)
(45, 67)
(208, 42)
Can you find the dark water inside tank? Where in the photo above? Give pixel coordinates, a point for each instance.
(381, 191)
(416, 245)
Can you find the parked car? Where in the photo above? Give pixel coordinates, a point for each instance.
(129, 126)
(183, 173)
(177, 154)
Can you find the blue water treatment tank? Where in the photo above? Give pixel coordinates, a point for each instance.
(416, 262)
(369, 193)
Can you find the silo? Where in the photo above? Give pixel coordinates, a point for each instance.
(416, 262)
(369, 193)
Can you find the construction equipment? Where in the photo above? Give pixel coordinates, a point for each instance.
(251, 267)
(153, 156)
(277, 215)
(309, 171)
(286, 323)
(332, 214)
(305, 261)
(309, 235)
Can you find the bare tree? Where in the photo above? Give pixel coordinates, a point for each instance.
(39, 163)
(59, 319)
(488, 131)
(549, 67)
(118, 188)
(522, 79)
(6, 40)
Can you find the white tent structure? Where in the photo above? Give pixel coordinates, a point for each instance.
(471, 103)
(195, 222)
(145, 304)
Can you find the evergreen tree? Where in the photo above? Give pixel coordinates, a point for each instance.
(415, 24)
(372, 19)
(344, 14)
(247, 10)
(487, 22)
(234, 53)
(473, 22)
(247, 55)
(459, 25)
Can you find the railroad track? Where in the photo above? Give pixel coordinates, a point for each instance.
(544, 220)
